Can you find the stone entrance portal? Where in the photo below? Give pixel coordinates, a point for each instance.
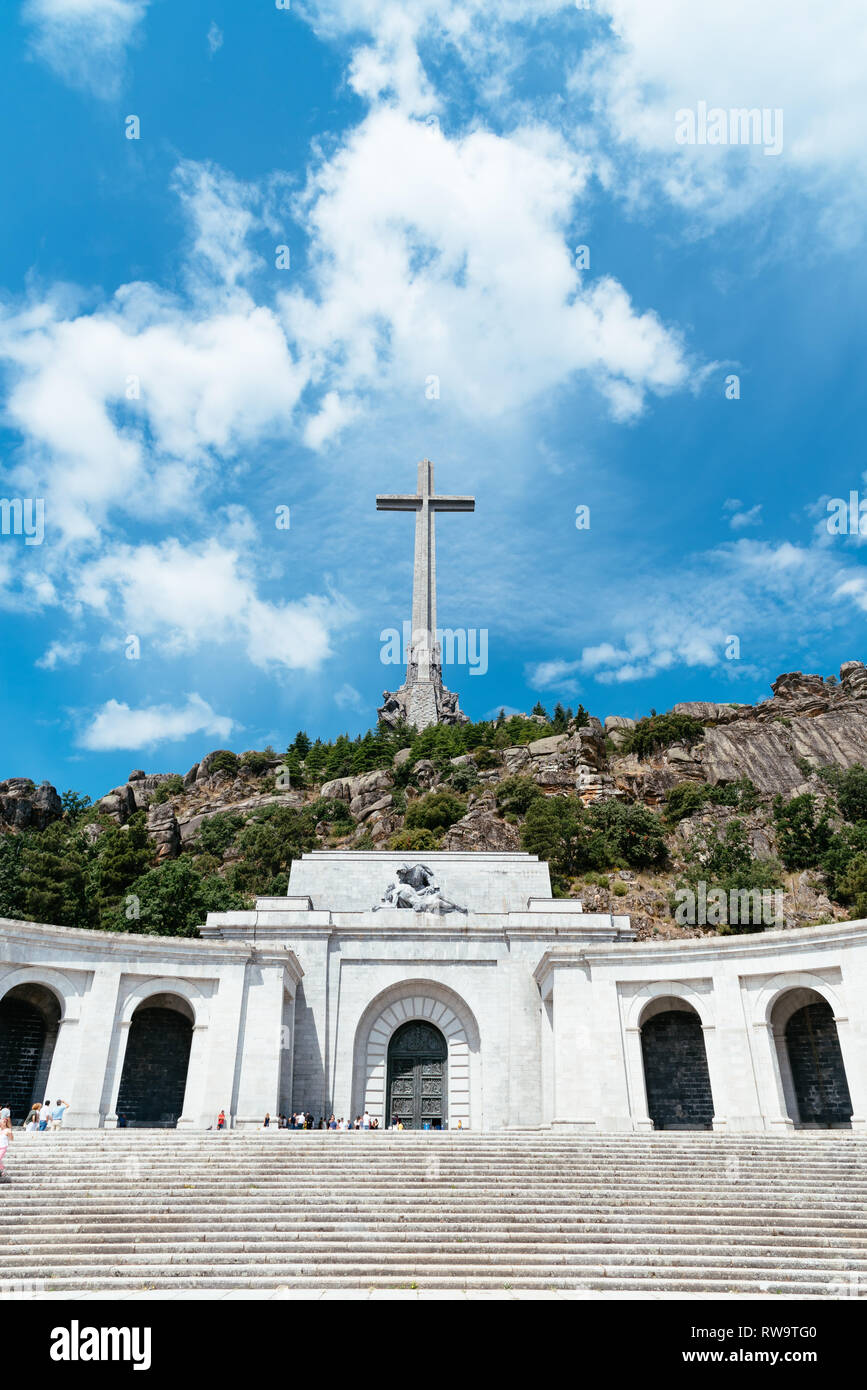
(29, 1020)
(675, 1068)
(417, 1063)
(818, 1074)
(154, 1077)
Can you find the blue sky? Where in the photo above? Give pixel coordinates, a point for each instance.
(432, 169)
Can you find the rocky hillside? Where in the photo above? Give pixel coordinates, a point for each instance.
(743, 797)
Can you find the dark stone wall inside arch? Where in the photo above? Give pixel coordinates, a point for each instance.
(676, 1072)
(818, 1072)
(155, 1067)
(28, 1030)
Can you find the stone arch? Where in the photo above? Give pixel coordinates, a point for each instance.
(186, 990)
(427, 1001)
(644, 1002)
(675, 1062)
(30, 1018)
(813, 1073)
(156, 1062)
(772, 992)
(65, 990)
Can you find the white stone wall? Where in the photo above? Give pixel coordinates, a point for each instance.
(542, 1006)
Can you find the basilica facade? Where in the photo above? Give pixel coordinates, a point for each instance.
(472, 1000)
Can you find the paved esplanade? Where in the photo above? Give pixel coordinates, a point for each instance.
(423, 666)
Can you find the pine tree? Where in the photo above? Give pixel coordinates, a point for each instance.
(53, 877)
(11, 887)
(122, 855)
(314, 763)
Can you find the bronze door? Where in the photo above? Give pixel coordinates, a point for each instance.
(417, 1066)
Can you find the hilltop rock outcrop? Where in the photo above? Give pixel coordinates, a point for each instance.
(25, 806)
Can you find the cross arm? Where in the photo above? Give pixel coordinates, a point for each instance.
(453, 504)
(393, 502)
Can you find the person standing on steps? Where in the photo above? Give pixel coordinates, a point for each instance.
(57, 1114)
(45, 1115)
(221, 1120)
(5, 1141)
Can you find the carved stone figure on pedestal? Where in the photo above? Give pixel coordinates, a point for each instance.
(417, 888)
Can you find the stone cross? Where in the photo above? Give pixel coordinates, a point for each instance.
(425, 504)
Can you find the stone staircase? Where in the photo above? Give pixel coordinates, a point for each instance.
(633, 1214)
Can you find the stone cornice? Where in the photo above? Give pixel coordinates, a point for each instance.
(81, 941)
(746, 944)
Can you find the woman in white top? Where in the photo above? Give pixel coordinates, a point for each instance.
(5, 1141)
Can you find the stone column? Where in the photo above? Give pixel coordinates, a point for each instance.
(737, 1107)
(614, 1111)
(223, 1049)
(854, 1052)
(525, 1096)
(641, 1121)
(576, 1092)
(63, 1072)
(82, 1057)
(261, 1054)
(116, 1071)
(197, 1071)
(773, 1076)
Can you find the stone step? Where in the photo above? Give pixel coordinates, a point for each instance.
(608, 1281)
(630, 1214)
(451, 1258)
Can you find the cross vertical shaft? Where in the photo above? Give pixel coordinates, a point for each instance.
(424, 580)
(423, 664)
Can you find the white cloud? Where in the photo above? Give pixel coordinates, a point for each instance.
(335, 414)
(85, 41)
(347, 697)
(457, 265)
(388, 66)
(117, 726)
(751, 517)
(781, 54)
(552, 675)
(215, 38)
(61, 653)
(185, 597)
(209, 385)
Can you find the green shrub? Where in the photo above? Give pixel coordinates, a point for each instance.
(488, 758)
(852, 794)
(803, 838)
(686, 798)
(258, 762)
(223, 761)
(660, 731)
(217, 833)
(574, 838)
(463, 779)
(73, 803)
(414, 841)
(516, 794)
(172, 786)
(436, 811)
(330, 809)
(683, 800)
(852, 887)
(619, 889)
